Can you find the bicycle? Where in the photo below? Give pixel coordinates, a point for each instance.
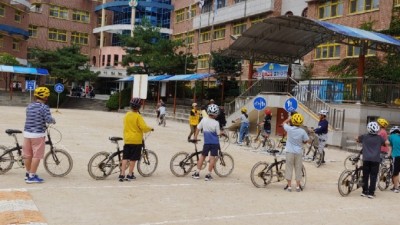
(349, 178)
(349, 161)
(263, 173)
(264, 140)
(57, 162)
(102, 164)
(235, 137)
(316, 156)
(182, 163)
(385, 173)
(281, 144)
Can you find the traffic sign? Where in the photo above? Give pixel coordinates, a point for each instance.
(259, 103)
(59, 88)
(30, 85)
(291, 105)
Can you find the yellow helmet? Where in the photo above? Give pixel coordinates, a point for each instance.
(42, 92)
(297, 119)
(243, 109)
(382, 122)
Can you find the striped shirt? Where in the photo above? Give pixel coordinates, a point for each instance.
(37, 115)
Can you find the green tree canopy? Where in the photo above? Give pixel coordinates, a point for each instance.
(149, 53)
(65, 63)
(8, 59)
(224, 65)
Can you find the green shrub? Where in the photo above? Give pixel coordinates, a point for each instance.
(112, 103)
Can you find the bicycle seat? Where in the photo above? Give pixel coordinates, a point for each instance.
(273, 151)
(12, 131)
(194, 141)
(115, 138)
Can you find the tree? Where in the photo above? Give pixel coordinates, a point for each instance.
(8, 59)
(151, 54)
(66, 63)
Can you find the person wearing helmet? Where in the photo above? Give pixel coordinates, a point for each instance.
(383, 123)
(211, 145)
(267, 123)
(134, 128)
(296, 137)
(322, 132)
(371, 149)
(37, 116)
(244, 124)
(194, 119)
(394, 150)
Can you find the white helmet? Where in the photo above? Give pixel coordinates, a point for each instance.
(213, 109)
(323, 112)
(394, 129)
(373, 127)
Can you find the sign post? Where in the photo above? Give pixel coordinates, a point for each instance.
(59, 88)
(290, 105)
(30, 86)
(259, 104)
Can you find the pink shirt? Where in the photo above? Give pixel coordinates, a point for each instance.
(382, 132)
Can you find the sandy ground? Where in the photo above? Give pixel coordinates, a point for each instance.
(166, 199)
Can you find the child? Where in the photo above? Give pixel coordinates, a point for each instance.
(244, 124)
(37, 115)
(211, 146)
(322, 132)
(383, 123)
(371, 149)
(162, 110)
(134, 127)
(394, 151)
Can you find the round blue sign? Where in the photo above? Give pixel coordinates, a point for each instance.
(291, 105)
(59, 88)
(259, 103)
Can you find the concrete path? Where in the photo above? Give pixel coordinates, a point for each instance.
(166, 199)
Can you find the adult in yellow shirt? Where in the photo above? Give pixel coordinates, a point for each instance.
(194, 118)
(134, 128)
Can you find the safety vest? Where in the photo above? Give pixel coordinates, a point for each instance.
(194, 120)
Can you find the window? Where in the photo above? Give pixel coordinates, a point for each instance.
(257, 19)
(219, 33)
(32, 31)
(354, 51)
(15, 45)
(239, 28)
(2, 10)
(79, 38)
(178, 37)
(116, 58)
(180, 15)
(37, 8)
(193, 10)
(57, 35)
(81, 16)
(17, 16)
(396, 3)
(357, 6)
(1, 41)
(327, 51)
(205, 36)
(330, 9)
(190, 38)
(58, 12)
(203, 62)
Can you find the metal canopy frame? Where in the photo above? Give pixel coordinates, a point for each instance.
(286, 39)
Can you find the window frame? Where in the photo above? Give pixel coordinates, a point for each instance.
(179, 15)
(57, 34)
(396, 3)
(219, 30)
(16, 45)
(81, 15)
(32, 29)
(327, 47)
(2, 9)
(362, 3)
(329, 5)
(205, 36)
(60, 11)
(18, 16)
(203, 61)
(354, 49)
(190, 38)
(1, 41)
(239, 27)
(79, 36)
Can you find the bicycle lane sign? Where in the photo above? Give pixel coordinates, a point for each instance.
(291, 105)
(259, 103)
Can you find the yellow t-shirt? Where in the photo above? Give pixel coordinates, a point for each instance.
(194, 120)
(134, 127)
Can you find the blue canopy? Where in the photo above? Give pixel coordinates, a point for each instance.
(24, 70)
(188, 77)
(151, 78)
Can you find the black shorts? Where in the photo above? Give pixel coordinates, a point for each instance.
(210, 148)
(396, 165)
(132, 152)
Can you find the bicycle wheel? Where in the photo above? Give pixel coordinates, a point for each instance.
(258, 175)
(224, 165)
(58, 164)
(99, 167)
(6, 160)
(349, 163)
(256, 142)
(384, 179)
(234, 137)
(303, 180)
(180, 165)
(318, 158)
(269, 144)
(147, 163)
(224, 138)
(345, 183)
